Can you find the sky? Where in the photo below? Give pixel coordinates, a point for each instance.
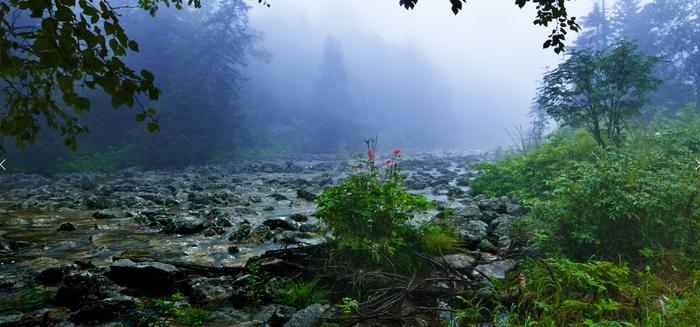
(490, 54)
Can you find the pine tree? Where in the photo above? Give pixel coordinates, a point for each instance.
(331, 113)
(596, 29)
(626, 19)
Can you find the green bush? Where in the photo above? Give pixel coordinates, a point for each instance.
(622, 201)
(368, 213)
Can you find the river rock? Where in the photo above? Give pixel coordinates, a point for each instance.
(276, 315)
(152, 277)
(103, 214)
(298, 218)
(496, 269)
(84, 287)
(103, 310)
(66, 227)
(54, 275)
(307, 317)
(306, 195)
(460, 261)
(486, 245)
(205, 290)
(503, 225)
(259, 235)
(280, 223)
(473, 231)
(184, 224)
(241, 233)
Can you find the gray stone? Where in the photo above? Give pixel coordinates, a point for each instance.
(307, 317)
(473, 230)
(103, 214)
(460, 261)
(503, 225)
(184, 224)
(485, 245)
(306, 195)
(84, 287)
(204, 290)
(497, 269)
(276, 315)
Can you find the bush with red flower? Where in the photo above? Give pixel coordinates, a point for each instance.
(368, 213)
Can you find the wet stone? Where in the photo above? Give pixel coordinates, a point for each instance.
(66, 227)
(241, 233)
(306, 195)
(259, 235)
(103, 214)
(153, 277)
(84, 287)
(298, 218)
(276, 223)
(54, 275)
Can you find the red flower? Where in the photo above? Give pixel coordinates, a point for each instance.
(396, 152)
(389, 162)
(371, 154)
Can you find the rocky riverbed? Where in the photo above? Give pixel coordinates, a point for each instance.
(94, 248)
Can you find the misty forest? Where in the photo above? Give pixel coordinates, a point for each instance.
(349, 163)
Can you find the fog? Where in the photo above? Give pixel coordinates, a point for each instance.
(484, 63)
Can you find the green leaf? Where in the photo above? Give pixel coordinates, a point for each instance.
(153, 127)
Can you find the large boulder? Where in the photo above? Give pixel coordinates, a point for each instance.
(151, 277)
(82, 288)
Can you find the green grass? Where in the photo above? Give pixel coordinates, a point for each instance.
(300, 294)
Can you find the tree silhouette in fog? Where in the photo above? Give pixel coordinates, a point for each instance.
(332, 114)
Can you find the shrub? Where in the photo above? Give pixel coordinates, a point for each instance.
(625, 201)
(369, 211)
